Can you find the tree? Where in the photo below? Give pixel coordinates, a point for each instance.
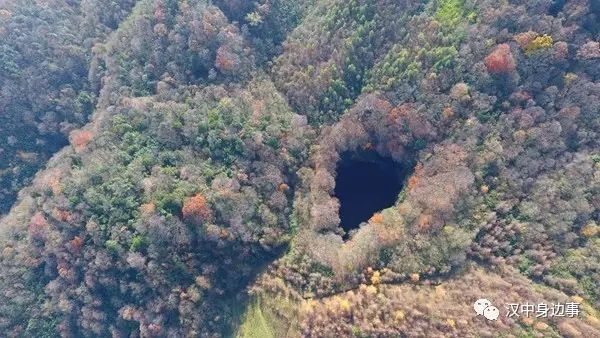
(196, 209)
(500, 60)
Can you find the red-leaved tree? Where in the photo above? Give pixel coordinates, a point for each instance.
(500, 60)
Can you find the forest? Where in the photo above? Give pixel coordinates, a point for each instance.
(298, 168)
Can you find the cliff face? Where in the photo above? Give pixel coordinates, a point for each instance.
(203, 141)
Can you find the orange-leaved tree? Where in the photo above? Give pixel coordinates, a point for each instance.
(196, 209)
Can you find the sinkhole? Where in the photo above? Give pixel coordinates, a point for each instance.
(365, 185)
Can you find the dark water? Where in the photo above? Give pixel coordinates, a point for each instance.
(365, 187)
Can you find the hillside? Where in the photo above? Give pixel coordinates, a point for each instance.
(204, 168)
(46, 49)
